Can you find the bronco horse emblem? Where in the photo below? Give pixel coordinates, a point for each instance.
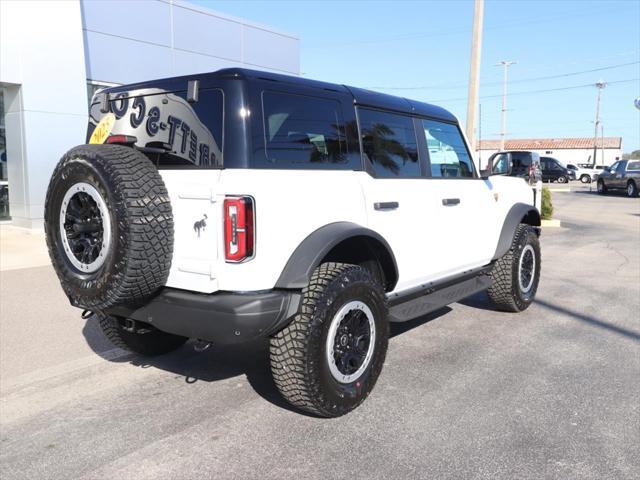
(200, 225)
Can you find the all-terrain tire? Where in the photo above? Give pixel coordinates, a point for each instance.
(298, 353)
(148, 341)
(138, 257)
(506, 291)
(632, 189)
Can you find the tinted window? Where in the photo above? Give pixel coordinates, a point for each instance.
(521, 161)
(633, 166)
(447, 152)
(389, 143)
(301, 130)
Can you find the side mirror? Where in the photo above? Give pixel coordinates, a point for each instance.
(607, 169)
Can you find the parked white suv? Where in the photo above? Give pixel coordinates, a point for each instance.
(241, 204)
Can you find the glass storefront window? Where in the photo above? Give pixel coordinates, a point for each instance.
(4, 179)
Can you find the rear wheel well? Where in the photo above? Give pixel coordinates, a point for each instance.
(368, 253)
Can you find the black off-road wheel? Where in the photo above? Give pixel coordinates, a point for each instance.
(517, 273)
(147, 340)
(328, 359)
(109, 226)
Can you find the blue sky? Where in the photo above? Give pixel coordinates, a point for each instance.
(392, 45)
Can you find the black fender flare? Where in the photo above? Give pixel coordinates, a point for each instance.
(308, 255)
(516, 215)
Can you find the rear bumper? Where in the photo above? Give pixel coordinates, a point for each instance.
(221, 318)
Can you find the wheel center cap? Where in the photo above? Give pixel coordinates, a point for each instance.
(344, 340)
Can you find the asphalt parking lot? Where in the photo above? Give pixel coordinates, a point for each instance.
(466, 392)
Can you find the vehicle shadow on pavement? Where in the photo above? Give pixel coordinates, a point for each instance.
(396, 329)
(478, 300)
(217, 363)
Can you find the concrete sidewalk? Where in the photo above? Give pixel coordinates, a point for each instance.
(22, 248)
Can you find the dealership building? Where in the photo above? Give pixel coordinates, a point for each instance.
(566, 150)
(55, 54)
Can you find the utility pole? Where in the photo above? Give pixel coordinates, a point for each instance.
(474, 73)
(600, 84)
(503, 133)
(602, 141)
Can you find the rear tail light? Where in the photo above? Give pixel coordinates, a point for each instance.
(121, 139)
(239, 223)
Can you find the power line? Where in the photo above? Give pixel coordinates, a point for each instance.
(524, 80)
(515, 23)
(527, 92)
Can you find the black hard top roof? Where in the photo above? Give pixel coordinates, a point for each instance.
(361, 96)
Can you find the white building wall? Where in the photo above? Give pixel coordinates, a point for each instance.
(42, 72)
(164, 38)
(50, 48)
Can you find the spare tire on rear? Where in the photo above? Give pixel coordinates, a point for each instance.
(109, 226)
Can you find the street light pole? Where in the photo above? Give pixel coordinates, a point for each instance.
(503, 133)
(474, 73)
(599, 85)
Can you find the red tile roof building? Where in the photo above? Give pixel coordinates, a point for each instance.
(566, 150)
(551, 143)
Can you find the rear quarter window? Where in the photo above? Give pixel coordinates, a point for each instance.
(303, 132)
(633, 166)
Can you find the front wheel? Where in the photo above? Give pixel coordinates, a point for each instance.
(632, 189)
(517, 273)
(602, 188)
(585, 179)
(328, 359)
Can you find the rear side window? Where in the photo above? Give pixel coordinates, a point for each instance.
(303, 131)
(389, 143)
(447, 152)
(633, 166)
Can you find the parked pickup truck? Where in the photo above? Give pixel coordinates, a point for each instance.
(622, 175)
(240, 204)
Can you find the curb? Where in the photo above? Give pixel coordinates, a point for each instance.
(551, 223)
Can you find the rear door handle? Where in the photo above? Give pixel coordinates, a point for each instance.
(386, 205)
(450, 202)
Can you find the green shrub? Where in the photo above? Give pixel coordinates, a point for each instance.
(547, 205)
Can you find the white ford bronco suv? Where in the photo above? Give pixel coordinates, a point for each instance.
(240, 204)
